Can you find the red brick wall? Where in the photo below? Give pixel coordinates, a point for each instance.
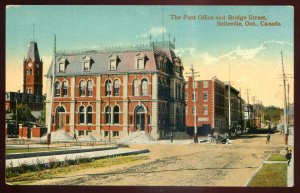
(23, 132)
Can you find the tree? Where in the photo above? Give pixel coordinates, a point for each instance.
(23, 114)
(273, 114)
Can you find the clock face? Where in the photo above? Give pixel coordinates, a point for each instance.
(30, 64)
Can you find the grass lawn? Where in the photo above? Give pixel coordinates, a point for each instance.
(277, 157)
(25, 150)
(29, 177)
(270, 175)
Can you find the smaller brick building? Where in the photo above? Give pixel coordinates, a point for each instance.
(211, 99)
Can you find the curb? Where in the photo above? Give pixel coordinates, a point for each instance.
(51, 153)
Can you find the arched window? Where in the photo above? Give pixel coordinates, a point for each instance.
(65, 88)
(90, 88)
(89, 112)
(108, 87)
(82, 88)
(116, 115)
(144, 87)
(57, 88)
(107, 115)
(81, 114)
(135, 88)
(117, 88)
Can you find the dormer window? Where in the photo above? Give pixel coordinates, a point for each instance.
(113, 61)
(140, 61)
(62, 64)
(86, 63)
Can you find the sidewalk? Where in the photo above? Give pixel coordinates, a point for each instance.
(60, 158)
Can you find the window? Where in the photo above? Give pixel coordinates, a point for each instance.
(205, 96)
(140, 64)
(113, 65)
(82, 88)
(196, 84)
(115, 133)
(61, 67)
(30, 71)
(186, 85)
(89, 112)
(57, 89)
(205, 110)
(108, 88)
(186, 96)
(106, 133)
(205, 84)
(117, 88)
(89, 88)
(116, 115)
(80, 133)
(144, 87)
(81, 114)
(135, 88)
(194, 96)
(194, 110)
(86, 66)
(27, 71)
(186, 110)
(65, 88)
(107, 115)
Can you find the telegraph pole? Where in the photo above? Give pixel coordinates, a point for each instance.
(284, 111)
(248, 107)
(193, 73)
(52, 93)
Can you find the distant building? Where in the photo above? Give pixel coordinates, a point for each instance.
(32, 83)
(113, 92)
(211, 97)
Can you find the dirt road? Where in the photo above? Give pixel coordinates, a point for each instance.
(183, 165)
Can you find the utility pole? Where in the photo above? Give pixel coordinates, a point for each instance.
(229, 102)
(193, 73)
(284, 109)
(52, 93)
(248, 107)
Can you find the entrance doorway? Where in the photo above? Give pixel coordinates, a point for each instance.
(60, 117)
(139, 118)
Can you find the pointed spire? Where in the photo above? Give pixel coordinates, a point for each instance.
(33, 52)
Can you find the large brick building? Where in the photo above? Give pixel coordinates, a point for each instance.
(211, 99)
(112, 92)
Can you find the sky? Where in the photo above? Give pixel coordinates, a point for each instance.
(252, 53)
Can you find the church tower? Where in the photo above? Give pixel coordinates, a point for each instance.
(33, 71)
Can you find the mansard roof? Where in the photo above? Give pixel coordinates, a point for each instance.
(33, 52)
(127, 59)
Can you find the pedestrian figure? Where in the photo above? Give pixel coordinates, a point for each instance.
(171, 136)
(195, 139)
(268, 139)
(288, 156)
